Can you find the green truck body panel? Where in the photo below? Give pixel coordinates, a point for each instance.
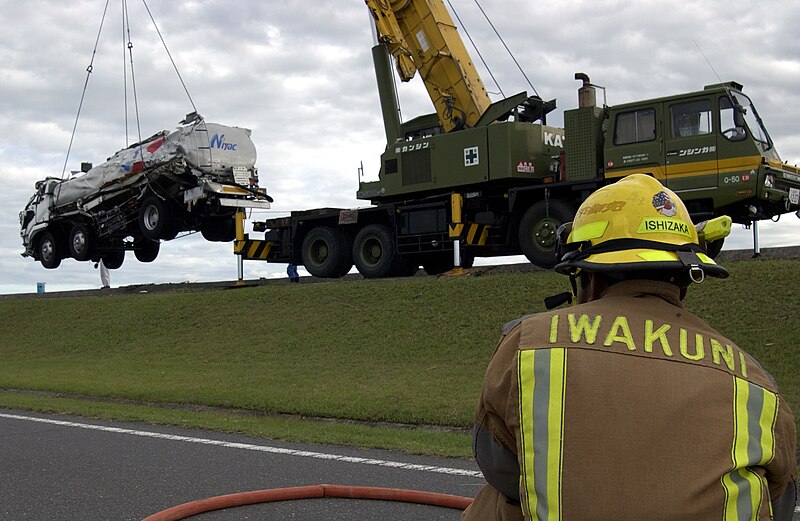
(503, 186)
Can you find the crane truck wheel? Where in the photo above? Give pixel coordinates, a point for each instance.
(146, 250)
(81, 242)
(537, 230)
(50, 250)
(155, 219)
(374, 254)
(326, 253)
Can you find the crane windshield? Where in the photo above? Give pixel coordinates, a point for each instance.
(750, 115)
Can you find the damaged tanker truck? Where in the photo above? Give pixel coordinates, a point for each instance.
(191, 179)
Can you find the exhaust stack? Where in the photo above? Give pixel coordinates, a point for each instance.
(587, 94)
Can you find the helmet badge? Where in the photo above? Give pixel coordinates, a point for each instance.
(663, 203)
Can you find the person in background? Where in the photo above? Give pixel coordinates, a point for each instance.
(291, 271)
(105, 276)
(627, 406)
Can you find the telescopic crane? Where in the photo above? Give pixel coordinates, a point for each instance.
(492, 178)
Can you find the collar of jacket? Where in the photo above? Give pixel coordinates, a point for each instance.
(641, 288)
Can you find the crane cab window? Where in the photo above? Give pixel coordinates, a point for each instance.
(635, 127)
(731, 120)
(691, 119)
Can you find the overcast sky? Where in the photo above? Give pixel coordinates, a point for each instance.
(299, 74)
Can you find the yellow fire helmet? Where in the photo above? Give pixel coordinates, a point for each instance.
(636, 224)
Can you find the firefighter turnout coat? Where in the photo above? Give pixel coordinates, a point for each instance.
(629, 408)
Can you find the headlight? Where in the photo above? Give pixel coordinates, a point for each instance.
(769, 181)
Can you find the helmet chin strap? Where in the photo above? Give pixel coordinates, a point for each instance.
(554, 301)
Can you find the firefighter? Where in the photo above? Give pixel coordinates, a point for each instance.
(627, 406)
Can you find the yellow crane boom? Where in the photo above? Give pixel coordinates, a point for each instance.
(422, 37)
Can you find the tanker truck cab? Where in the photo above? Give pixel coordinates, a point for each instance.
(711, 147)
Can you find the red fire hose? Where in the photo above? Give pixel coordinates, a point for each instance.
(314, 491)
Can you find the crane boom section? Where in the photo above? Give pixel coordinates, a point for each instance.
(421, 36)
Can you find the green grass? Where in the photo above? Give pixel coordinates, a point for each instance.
(399, 351)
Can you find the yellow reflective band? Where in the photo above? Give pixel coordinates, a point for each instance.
(664, 225)
(589, 231)
(755, 411)
(541, 379)
(657, 255)
(705, 258)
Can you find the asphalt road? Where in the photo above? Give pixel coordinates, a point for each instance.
(57, 467)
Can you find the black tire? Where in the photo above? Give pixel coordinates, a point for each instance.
(113, 259)
(81, 242)
(156, 219)
(50, 250)
(374, 254)
(714, 247)
(146, 250)
(219, 229)
(326, 253)
(537, 231)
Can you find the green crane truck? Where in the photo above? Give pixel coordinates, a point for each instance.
(482, 179)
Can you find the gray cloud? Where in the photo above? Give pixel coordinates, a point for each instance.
(300, 76)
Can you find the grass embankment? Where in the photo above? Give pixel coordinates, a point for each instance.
(402, 351)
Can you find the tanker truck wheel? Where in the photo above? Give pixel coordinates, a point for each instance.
(50, 249)
(146, 250)
(537, 230)
(155, 219)
(325, 253)
(113, 259)
(81, 242)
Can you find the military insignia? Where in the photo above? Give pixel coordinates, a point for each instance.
(663, 203)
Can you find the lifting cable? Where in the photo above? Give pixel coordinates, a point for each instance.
(186, 90)
(83, 94)
(127, 43)
(506, 46)
(453, 9)
(126, 20)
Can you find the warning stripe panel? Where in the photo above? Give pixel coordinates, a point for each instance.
(252, 249)
(475, 234)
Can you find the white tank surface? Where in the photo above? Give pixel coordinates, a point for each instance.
(209, 149)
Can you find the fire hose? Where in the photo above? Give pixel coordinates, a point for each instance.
(200, 506)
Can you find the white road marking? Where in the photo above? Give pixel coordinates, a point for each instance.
(249, 446)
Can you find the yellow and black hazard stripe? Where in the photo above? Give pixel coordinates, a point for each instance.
(471, 233)
(252, 249)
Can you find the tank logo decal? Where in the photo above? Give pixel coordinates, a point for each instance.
(218, 141)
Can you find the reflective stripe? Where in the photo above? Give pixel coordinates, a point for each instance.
(589, 231)
(657, 255)
(755, 411)
(542, 375)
